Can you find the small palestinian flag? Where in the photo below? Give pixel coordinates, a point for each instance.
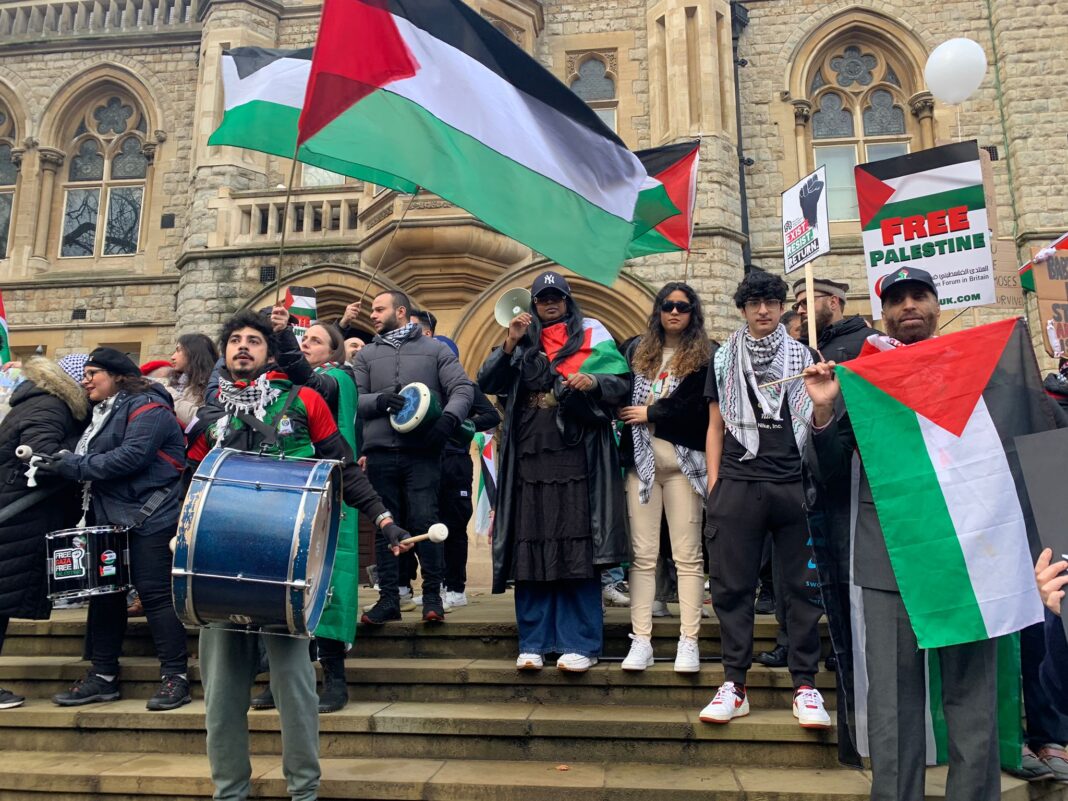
(674, 166)
(1027, 276)
(597, 354)
(935, 424)
(927, 210)
(5, 337)
(486, 498)
(431, 92)
(300, 302)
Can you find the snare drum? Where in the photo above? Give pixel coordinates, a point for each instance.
(256, 541)
(83, 562)
(420, 411)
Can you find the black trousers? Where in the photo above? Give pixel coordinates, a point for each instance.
(407, 482)
(4, 620)
(150, 571)
(1046, 720)
(455, 509)
(738, 516)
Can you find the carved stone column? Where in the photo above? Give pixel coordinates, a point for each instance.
(50, 160)
(802, 115)
(922, 106)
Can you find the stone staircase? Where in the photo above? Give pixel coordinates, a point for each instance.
(440, 713)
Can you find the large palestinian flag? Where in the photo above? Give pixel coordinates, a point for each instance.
(431, 93)
(675, 167)
(597, 354)
(935, 423)
(927, 209)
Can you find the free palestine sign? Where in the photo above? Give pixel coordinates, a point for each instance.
(928, 210)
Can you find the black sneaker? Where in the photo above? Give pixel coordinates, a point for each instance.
(173, 692)
(433, 609)
(765, 603)
(381, 613)
(8, 699)
(90, 690)
(264, 700)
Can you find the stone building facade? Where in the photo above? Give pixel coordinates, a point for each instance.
(121, 226)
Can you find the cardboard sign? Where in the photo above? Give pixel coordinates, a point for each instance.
(928, 210)
(1051, 287)
(806, 232)
(1007, 277)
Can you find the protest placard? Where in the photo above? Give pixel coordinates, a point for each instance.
(805, 228)
(1051, 286)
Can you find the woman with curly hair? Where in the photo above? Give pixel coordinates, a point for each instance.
(664, 454)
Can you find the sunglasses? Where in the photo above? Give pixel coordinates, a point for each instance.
(681, 306)
(548, 297)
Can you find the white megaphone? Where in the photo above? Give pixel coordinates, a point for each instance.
(513, 302)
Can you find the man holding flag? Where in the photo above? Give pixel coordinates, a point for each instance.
(940, 549)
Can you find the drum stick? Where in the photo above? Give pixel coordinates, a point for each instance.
(438, 532)
(23, 453)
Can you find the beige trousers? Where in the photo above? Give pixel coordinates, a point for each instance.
(672, 495)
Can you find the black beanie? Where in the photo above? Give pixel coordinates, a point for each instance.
(115, 362)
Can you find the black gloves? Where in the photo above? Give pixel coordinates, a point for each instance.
(440, 433)
(389, 402)
(63, 464)
(394, 534)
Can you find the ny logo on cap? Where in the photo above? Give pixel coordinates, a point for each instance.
(550, 278)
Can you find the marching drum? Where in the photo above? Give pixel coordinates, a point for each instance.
(83, 562)
(256, 541)
(420, 411)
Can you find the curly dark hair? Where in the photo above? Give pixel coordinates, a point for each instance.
(201, 355)
(694, 349)
(246, 318)
(760, 285)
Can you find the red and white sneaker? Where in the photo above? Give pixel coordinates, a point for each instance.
(729, 702)
(809, 710)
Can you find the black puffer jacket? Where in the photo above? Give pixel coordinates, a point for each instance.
(1056, 386)
(843, 340)
(48, 412)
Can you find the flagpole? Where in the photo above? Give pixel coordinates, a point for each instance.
(389, 243)
(285, 225)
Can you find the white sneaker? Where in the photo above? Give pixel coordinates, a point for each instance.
(640, 655)
(660, 609)
(613, 596)
(705, 612)
(725, 705)
(454, 599)
(529, 662)
(809, 709)
(575, 663)
(687, 657)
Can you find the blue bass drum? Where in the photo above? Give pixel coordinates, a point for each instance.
(256, 541)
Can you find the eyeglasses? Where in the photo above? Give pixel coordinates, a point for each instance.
(803, 303)
(681, 306)
(548, 297)
(770, 305)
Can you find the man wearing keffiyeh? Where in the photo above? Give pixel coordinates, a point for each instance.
(758, 430)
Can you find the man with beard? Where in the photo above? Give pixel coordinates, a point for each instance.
(757, 434)
(405, 469)
(259, 410)
(896, 679)
(838, 337)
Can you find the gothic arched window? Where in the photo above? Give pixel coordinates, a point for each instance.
(593, 81)
(858, 115)
(9, 174)
(104, 190)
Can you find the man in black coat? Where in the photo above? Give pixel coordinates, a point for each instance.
(838, 337)
(48, 412)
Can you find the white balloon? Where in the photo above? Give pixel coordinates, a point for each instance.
(954, 70)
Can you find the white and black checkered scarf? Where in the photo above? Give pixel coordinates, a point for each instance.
(398, 335)
(746, 360)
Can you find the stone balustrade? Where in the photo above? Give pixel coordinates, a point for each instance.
(314, 215)
(34, 19)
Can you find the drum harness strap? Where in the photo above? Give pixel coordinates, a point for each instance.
(269, 432)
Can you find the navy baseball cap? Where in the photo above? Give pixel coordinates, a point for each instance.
(549, 280)
(904, 275)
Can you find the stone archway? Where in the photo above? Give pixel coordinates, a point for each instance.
(623, 308)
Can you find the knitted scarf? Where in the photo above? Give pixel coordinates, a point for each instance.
(744, 361)
(692, 463)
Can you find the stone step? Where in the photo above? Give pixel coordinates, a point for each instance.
(474, 680)
(484, 630)
(490, 731)
(93, 776)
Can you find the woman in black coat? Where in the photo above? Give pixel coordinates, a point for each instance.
(48, 411)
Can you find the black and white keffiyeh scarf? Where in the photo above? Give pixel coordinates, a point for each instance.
(239, 397)
(746, 360)
(691, 462)
(398, 335)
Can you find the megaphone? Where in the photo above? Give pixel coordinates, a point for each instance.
(513, 302)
